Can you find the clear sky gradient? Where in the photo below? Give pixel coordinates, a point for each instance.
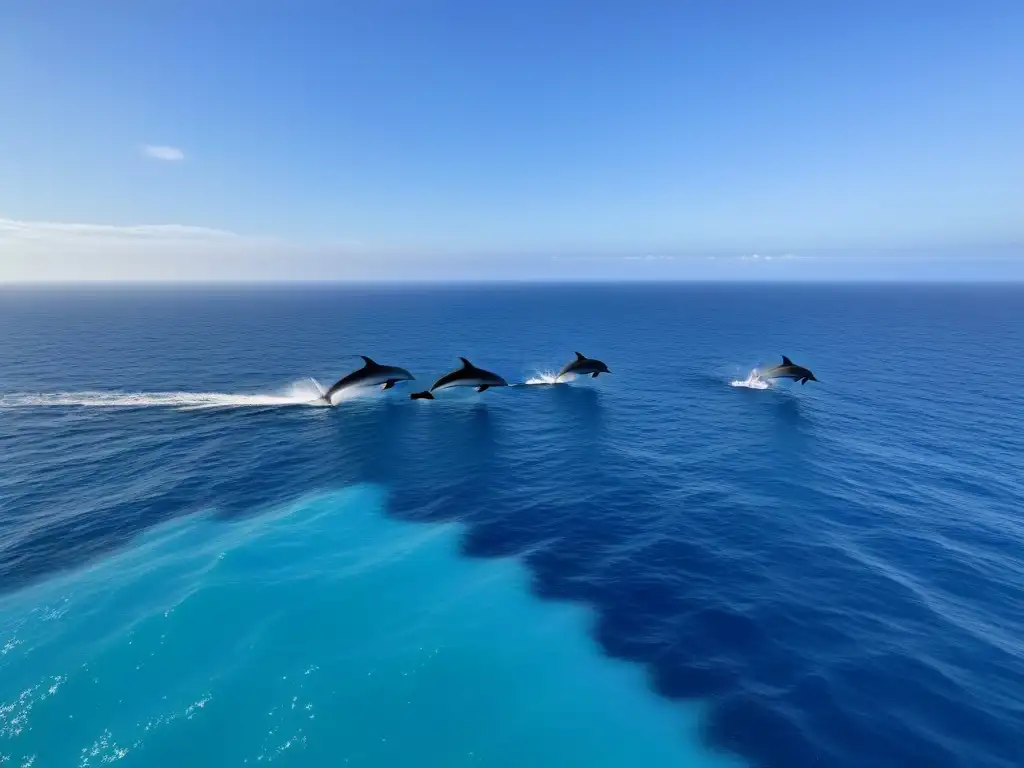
(444, 139)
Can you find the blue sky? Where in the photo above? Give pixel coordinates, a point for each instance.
(426, 139)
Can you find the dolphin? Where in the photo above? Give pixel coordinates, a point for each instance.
(582, 366)
(370, 375)
(788, 370)
(466, 376)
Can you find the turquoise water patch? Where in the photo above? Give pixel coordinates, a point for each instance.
(321, 634)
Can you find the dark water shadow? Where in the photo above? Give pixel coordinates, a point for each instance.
(780, 408)
(589, 532)
(370, 440)
(580, 414)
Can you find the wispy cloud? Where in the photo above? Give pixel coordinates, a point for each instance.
(766, 257)
(56, 231)
(48, 251)
(159, 152)
(61, 251)
(650, 257)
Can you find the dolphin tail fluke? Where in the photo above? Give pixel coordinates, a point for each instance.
(323, 395)
(425, 395)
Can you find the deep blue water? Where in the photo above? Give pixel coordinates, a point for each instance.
(651, 568)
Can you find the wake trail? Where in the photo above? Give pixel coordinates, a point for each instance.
(307, 392)
(300, 393)
(753, 381)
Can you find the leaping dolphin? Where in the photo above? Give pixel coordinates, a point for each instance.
(370, 375)
(466, 376)
(788, 370)
(582, 366)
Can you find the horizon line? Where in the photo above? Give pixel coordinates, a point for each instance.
(610, 281)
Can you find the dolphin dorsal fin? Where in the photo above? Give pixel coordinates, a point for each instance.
(786, 360)
(369, 363)
(466, 363)
(580, 357)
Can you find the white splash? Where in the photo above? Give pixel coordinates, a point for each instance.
(550, 377)
(105, 748)
(305, 392)
(9, 646)
(349, 393)
(753, 381)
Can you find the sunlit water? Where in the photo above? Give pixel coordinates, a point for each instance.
(212, 643)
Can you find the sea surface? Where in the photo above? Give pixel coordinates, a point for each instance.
(672, 565)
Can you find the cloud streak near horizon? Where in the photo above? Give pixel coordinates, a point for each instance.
(165, 153)
(70, 252)
(46, 251)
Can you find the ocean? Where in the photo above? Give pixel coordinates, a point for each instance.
(665, 566)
